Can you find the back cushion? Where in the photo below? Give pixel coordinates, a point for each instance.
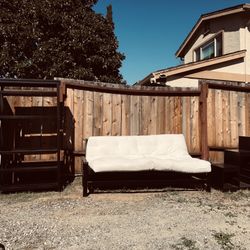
(101, 146)
(147, 145)
(170, 144)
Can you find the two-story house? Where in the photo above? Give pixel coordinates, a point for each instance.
(217, 48)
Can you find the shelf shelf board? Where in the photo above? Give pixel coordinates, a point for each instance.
(29, 151)
(28, 93)
(27, 187)
(30, 169)
(23, 117)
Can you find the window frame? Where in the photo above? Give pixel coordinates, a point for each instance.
(211, 40)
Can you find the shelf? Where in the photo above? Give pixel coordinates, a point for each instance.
(28, 93)
(31, 130)
(23, 117)
(29, 151)
(226, 167)
(244, 185)
(78, 153)
(36, 166)
(245, 178)
(28, 187)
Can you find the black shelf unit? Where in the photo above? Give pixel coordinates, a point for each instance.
(234, 173)
(32, 150)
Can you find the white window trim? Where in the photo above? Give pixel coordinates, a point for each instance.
(209, 41)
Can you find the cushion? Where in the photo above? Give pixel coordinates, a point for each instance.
(166, 152)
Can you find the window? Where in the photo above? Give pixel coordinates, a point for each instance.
(210, 49)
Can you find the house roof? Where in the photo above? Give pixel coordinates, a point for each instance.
(228, 11)
(189, 67)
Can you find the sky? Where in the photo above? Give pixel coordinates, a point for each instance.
(150, 32)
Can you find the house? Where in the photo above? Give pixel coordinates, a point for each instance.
(217, 48)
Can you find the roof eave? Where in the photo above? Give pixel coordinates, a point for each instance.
(200, 64)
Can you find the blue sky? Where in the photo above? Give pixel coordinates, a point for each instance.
(150, 32)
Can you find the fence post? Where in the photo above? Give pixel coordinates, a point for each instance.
(203, 121)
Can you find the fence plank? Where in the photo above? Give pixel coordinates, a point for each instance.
(88, 114)
(247, 114)
(116, 115)
(152, 126)
(145, 115)
(125, 115)
(160, 117)
(97, 113)
(107, 114)
(234, 119)
(135, 117)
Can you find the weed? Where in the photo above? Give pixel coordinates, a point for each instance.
(224, 240)
(239, 195)
(231, 223)
(181, 200)
(230, 215)
(185, 243)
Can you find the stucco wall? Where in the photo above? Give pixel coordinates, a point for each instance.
(183, 82)
(231, 26)
(247, 46)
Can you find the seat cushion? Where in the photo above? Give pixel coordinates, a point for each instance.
(112, 164)
(189, 165)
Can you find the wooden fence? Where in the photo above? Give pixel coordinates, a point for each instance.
(228, 117)
(119, 110)
(218, 114)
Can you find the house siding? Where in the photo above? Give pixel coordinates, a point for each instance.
(231, 27)
(247, 47)
(183, 82)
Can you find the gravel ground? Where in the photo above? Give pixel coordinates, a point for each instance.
(146, 220)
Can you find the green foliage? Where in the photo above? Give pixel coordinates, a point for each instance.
(64, 38)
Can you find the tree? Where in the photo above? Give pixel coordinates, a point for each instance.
(64, 38)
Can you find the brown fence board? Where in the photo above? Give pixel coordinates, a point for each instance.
(125, 115)
(116, 115)
(135, 110)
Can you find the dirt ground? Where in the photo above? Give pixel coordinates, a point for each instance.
(156, 219)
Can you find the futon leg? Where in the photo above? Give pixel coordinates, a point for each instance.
(85, 178)
(208, 183)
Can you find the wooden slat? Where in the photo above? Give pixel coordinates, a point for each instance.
(145, 115)
(241, 113)
(168, 115)
(78, 116)
(88, 114)
(125, 129)
(98, 113)
(211, 117)
(107, 114)
(234, 119)
(203, 121)
(116, 115)
(135, 115)
(247, 114)
(226, 118)
(152, 126)
(186, 119)
(160, 117)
